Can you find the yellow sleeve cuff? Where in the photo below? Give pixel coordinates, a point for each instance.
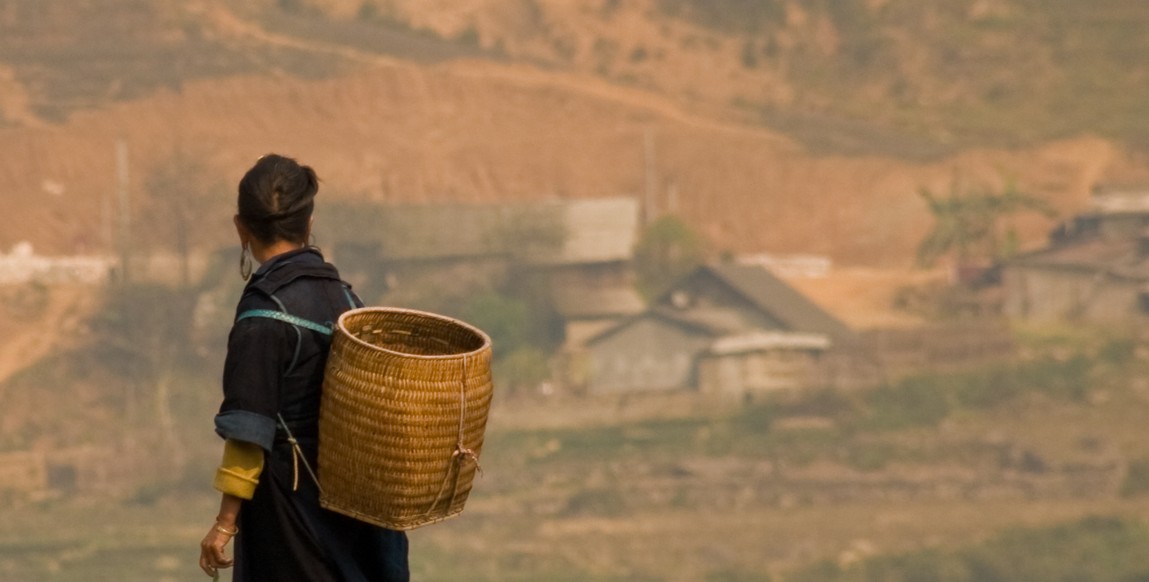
(238, 473)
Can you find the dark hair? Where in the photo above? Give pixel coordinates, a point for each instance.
(276, 197)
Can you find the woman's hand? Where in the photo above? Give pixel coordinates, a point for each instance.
(211, 550)
(212, 556)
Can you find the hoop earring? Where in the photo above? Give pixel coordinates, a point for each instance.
(245, 261)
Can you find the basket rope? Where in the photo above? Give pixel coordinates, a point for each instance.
(296, 455)
(461, 453)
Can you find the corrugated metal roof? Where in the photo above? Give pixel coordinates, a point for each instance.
(565, 232)
(1120, 199)
(1120, 258)
(768, 340)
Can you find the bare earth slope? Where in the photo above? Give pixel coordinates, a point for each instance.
(476, 131)
(468, 130)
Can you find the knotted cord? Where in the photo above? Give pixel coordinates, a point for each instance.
(296, 456)
(461, 452)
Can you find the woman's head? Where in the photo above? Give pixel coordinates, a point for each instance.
(276, 198)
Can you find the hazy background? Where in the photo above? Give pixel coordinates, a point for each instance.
(809, 134)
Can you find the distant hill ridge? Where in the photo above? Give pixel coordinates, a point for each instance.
(967, 72)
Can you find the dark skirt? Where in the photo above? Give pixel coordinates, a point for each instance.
(286, 536)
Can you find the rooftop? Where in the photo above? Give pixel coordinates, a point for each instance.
(562, 232)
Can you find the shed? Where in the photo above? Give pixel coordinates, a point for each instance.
(1097, 280)
(1095, 267)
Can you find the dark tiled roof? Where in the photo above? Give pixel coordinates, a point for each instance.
(761, 288)
(779, 300)
(662, 315)
(712, 321)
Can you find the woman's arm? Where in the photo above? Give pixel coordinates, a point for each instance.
(212, 557)
(236, 477)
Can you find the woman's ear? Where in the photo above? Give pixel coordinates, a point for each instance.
(241, 230)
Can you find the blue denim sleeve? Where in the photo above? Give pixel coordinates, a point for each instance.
(249, 427)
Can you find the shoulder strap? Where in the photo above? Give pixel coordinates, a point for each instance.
(286, 317)
(350, 298)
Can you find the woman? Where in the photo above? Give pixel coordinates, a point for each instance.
(272, 379)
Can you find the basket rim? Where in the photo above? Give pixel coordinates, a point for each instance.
(443, 318)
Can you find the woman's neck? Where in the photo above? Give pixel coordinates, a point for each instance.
(263, 253)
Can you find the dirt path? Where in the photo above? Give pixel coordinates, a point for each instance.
(25, 339)
(520, 76)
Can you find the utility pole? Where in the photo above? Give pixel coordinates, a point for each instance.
(125, 202)
(648, 211)
(107, 228)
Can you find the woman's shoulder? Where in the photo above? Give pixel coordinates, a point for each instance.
(305, 266)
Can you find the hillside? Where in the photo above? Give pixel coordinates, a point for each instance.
(511, 99)
(958, 73)
(887, 76)
(460, 128)
(896, 76)
(401, 133)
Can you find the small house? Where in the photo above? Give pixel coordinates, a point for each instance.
(728, 329)
(1095, 267)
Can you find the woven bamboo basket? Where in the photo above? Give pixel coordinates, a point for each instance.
(405, 400)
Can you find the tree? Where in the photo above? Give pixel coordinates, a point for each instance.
(142, 332)
(968, 222)
(523, 333)
(667, 250)
(184, 200)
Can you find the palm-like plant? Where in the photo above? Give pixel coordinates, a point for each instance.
(967, 222)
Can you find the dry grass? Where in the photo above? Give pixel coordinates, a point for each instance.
(716, 496)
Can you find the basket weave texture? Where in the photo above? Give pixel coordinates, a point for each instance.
(405, 401)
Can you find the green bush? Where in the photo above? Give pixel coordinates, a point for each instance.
(523, 368)
(729, 575)
(1067, 379)
(666, 251)
(824, 402)
(1117, 351)
(1136, 480)
(911, 403)
(739, 16)
(1096, 549)
(598, 502)
(756, 419)
(870, 456)
(927, 399)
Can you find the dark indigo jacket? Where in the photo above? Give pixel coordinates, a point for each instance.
(273, 367)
